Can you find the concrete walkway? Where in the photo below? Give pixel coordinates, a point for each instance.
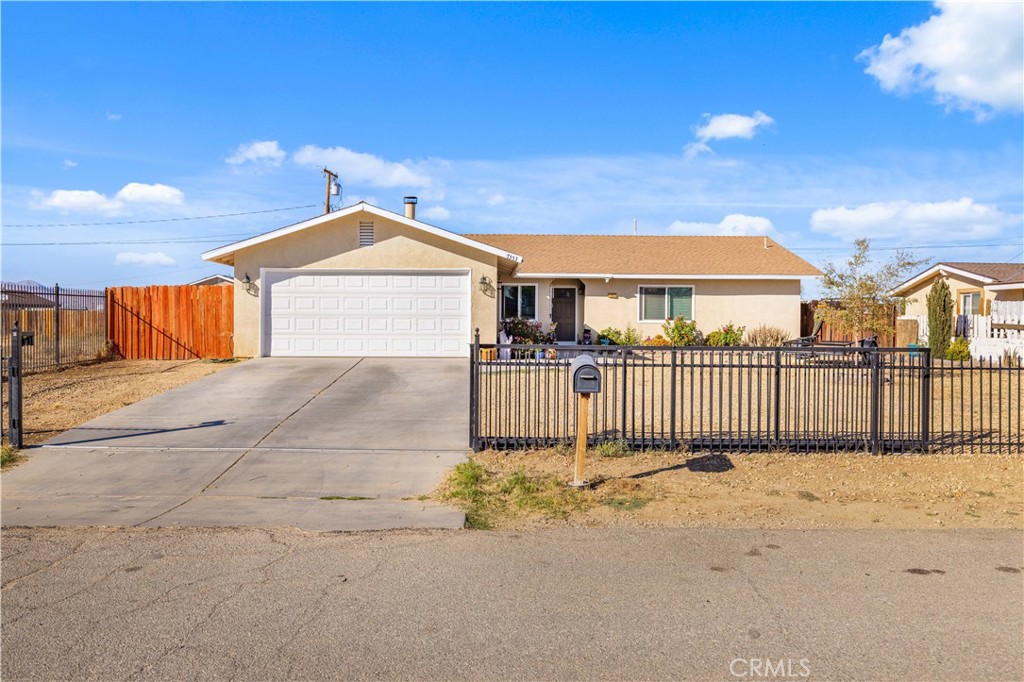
(263, 443)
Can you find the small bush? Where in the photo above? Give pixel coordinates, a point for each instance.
(613, 448)
(522, 330)
(613, 335)
(681, 332)
(766, 336)
(729, 335)
(658, 340)
(959, 350)
(631, 336)
(8, 456)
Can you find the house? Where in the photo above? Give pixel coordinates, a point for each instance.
(367, 281)
(974, 286)
(212, 281)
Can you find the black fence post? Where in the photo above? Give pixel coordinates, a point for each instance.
(56, 324)
(14, 409)
(926, 399)
(777, 398)
(625, 376)
(876, 399)
(474, 392)
(672, 407)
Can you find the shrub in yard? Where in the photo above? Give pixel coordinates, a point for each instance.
(613, 335)
(766, 336)
(658, 340)
(631, 336)
(940, 318)
(959, 350)
(613, 448)
(729, 335)
(682, 332)
(522, 330)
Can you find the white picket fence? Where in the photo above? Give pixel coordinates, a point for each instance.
(989, 339)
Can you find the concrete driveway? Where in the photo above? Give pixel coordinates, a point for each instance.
(262, 443)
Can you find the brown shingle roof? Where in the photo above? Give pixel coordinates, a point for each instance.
(649, 255)
(1004, 273)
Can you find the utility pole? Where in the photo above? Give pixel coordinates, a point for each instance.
(331, 177)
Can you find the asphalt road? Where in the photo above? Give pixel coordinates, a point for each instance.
(630, 603)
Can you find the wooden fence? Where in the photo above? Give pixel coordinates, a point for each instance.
(171, 322)
(828, 333)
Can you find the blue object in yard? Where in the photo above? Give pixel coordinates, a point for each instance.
(914, 353)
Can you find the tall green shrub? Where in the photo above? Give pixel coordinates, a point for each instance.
(940, 318)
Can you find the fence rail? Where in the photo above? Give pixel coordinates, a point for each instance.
(171, 322)
(752, 399)
(69, 325)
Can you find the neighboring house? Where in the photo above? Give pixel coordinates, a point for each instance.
(366, 281)
(212, 280)
(24, 300)
(974, 286)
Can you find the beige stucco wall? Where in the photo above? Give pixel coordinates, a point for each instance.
(335, 244)
(747, 303)
(917, 303)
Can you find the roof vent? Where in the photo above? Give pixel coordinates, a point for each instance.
(410, 207)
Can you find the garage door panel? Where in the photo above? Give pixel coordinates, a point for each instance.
(381, 313)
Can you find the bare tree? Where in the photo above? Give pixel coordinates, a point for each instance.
(863, 290)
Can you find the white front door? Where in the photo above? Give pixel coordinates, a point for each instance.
(365, 313)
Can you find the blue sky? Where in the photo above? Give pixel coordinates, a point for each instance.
(811, 123)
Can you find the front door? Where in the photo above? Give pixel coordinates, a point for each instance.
(563, 313)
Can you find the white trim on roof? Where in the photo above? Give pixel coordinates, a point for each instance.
(1005, 287)
(583, 275)
(227, 250)
(935, 269)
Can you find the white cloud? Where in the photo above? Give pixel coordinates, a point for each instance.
(733, 224)
(496, 199)
(139, 193)
(358, 168)
(261, 153)
(78, 201)
(969, 55)
(68, 163)
(91, 201)
(724, 127)
(907, 220)
(151, 258)
(113, 117)
(436, 213)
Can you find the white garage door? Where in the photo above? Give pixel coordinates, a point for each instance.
(356, 313)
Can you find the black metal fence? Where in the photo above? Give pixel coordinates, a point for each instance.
(69, 326)
(748, 399)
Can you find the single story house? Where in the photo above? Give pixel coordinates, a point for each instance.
(212, 281)
(974, 286)
(367, 281)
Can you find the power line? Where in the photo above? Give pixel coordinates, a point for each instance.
(842, 249)
(159, 220)
(202, 239)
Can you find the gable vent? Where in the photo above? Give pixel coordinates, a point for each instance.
(365, 235)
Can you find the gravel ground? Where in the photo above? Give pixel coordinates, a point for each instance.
(58, 400)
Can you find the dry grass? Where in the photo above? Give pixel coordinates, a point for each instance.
(776, 490)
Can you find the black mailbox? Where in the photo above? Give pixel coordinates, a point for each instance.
(586, 377)
(28, 338)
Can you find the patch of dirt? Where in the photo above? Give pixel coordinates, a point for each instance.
(783, 490)
(59, 400)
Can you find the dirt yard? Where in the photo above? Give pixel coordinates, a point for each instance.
(58, 400)
(520, 490)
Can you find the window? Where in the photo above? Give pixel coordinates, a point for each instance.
(658, 304)
(519, 300)
(365, 235)
(970, 304)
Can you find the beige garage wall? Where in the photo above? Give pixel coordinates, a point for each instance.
(335, 244)
(747, 303)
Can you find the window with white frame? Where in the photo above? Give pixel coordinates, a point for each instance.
(658, 304)
(970, 304)
(519, 300)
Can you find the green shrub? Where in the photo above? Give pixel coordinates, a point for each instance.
(612, 334)
(681, 332)
(613, 448)
(940, 318)
(631, 336)
(766, 336)
(959, 350)
(729, 335)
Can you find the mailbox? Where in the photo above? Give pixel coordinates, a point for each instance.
(586, 377)
(28, 338)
